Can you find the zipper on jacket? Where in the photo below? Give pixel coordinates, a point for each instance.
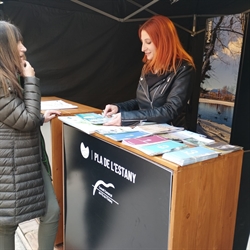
(151, 102)
(168, 80)
(158, 83)
(145, 92)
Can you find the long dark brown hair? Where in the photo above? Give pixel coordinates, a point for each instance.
(10, 62)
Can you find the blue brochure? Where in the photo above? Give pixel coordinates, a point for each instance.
(93, 118)
(127, 135)
(190, 155)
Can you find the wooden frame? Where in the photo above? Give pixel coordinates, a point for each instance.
(57, 155)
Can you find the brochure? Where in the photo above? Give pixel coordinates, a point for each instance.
(223, 147)
(79, 123)
(188, 137)
(94, 118)
(186, 134)
(125, 135)
(103, 130)
(89, 128)
(56, 104)
(197, 141)
(190, 155)
(135, 142)
(161, 147)
(160, 128)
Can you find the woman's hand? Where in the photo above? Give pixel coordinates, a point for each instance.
(28, 70)
(115, 121)
(110, 110)
(50, 114)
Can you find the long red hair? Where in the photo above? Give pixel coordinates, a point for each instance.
(169, 51)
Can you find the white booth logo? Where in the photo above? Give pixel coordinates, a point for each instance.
(84, 151)
(103, 192)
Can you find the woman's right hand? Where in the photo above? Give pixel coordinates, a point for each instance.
(110, 110)
(28, 70)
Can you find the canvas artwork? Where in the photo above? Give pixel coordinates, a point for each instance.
(222, 53)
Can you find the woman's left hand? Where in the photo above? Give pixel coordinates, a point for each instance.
(28, 70)
(50, 114)
(115, 121)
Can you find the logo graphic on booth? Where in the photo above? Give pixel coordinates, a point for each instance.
(103, 192)
(108, 163)
(84, 151)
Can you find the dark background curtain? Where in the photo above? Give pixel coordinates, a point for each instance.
(86, 57)
(80, 56)
(83, 56)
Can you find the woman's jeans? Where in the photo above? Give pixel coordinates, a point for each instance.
(48, 223)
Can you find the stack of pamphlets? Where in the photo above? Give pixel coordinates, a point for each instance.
(120, 136)
(103, 130)
(137, 142)
(161, 147)
(197, 141)
(223, 147)
(190, 155)
(160, 128)
(94, 118)
(79, 123)
(89, 128)
(56, 104)
(189, 138)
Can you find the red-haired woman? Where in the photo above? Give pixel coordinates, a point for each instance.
(165, 84)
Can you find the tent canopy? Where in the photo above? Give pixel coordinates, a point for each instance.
(141, 10)
(89, 51)
(134, 10)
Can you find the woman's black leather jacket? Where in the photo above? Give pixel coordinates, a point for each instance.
(165, 102)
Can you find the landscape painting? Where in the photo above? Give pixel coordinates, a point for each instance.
(220, 70)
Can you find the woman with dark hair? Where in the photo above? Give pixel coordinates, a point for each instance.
(165, 86)
(26, 191)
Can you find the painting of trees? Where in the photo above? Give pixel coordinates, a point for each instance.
(223, 42)
(219, 76)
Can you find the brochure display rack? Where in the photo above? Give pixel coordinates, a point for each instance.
(117, 197)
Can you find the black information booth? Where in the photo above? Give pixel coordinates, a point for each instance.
(114, 199)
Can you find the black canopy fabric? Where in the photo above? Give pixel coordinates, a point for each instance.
(132, 10)
(78, 55)
(89, 51)
(94, 58)
(145, 8)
